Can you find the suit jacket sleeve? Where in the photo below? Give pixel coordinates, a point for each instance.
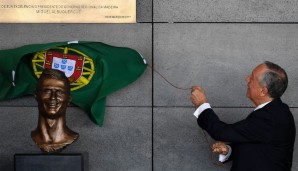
(257, 127)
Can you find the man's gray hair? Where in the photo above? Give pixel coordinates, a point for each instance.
(275, 79)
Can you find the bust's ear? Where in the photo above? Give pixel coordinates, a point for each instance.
(35, 94)
(69, 99)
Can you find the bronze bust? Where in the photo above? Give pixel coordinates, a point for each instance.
(53, 96)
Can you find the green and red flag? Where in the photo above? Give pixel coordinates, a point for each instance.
(94, 69)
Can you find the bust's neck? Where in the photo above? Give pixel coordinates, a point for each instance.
(53, 130)
(52, 135)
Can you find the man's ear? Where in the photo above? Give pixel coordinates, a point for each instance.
(264, 91)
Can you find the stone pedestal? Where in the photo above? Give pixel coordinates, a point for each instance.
(48, 162)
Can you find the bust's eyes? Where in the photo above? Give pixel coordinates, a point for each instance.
(60, 92)
(49, 91)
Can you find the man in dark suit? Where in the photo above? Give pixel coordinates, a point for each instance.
(264, 141)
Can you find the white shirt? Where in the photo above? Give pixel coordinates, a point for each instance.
(205, 106)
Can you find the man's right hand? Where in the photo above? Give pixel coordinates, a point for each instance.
(198, 96)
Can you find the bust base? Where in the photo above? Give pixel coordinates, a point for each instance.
(48, 162)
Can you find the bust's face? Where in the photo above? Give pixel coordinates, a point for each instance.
(52, 98)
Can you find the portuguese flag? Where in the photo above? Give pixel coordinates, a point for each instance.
(94, 69)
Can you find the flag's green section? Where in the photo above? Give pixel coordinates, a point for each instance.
(115, 68)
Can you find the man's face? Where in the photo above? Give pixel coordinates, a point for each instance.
(52, 98)
(254, 88)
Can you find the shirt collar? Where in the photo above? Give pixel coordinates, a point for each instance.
(262, 105)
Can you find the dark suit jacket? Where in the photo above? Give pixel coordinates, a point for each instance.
(264, 141)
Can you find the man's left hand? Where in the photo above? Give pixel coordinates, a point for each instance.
(220, 148)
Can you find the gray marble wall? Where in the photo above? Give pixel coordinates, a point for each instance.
(149, 124)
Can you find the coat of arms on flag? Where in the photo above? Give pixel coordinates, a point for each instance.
(77, 66)
(71, 65)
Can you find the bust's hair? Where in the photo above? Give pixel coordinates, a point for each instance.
(275, 79)
(53, 74)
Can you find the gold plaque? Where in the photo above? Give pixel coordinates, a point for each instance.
(68, 11)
